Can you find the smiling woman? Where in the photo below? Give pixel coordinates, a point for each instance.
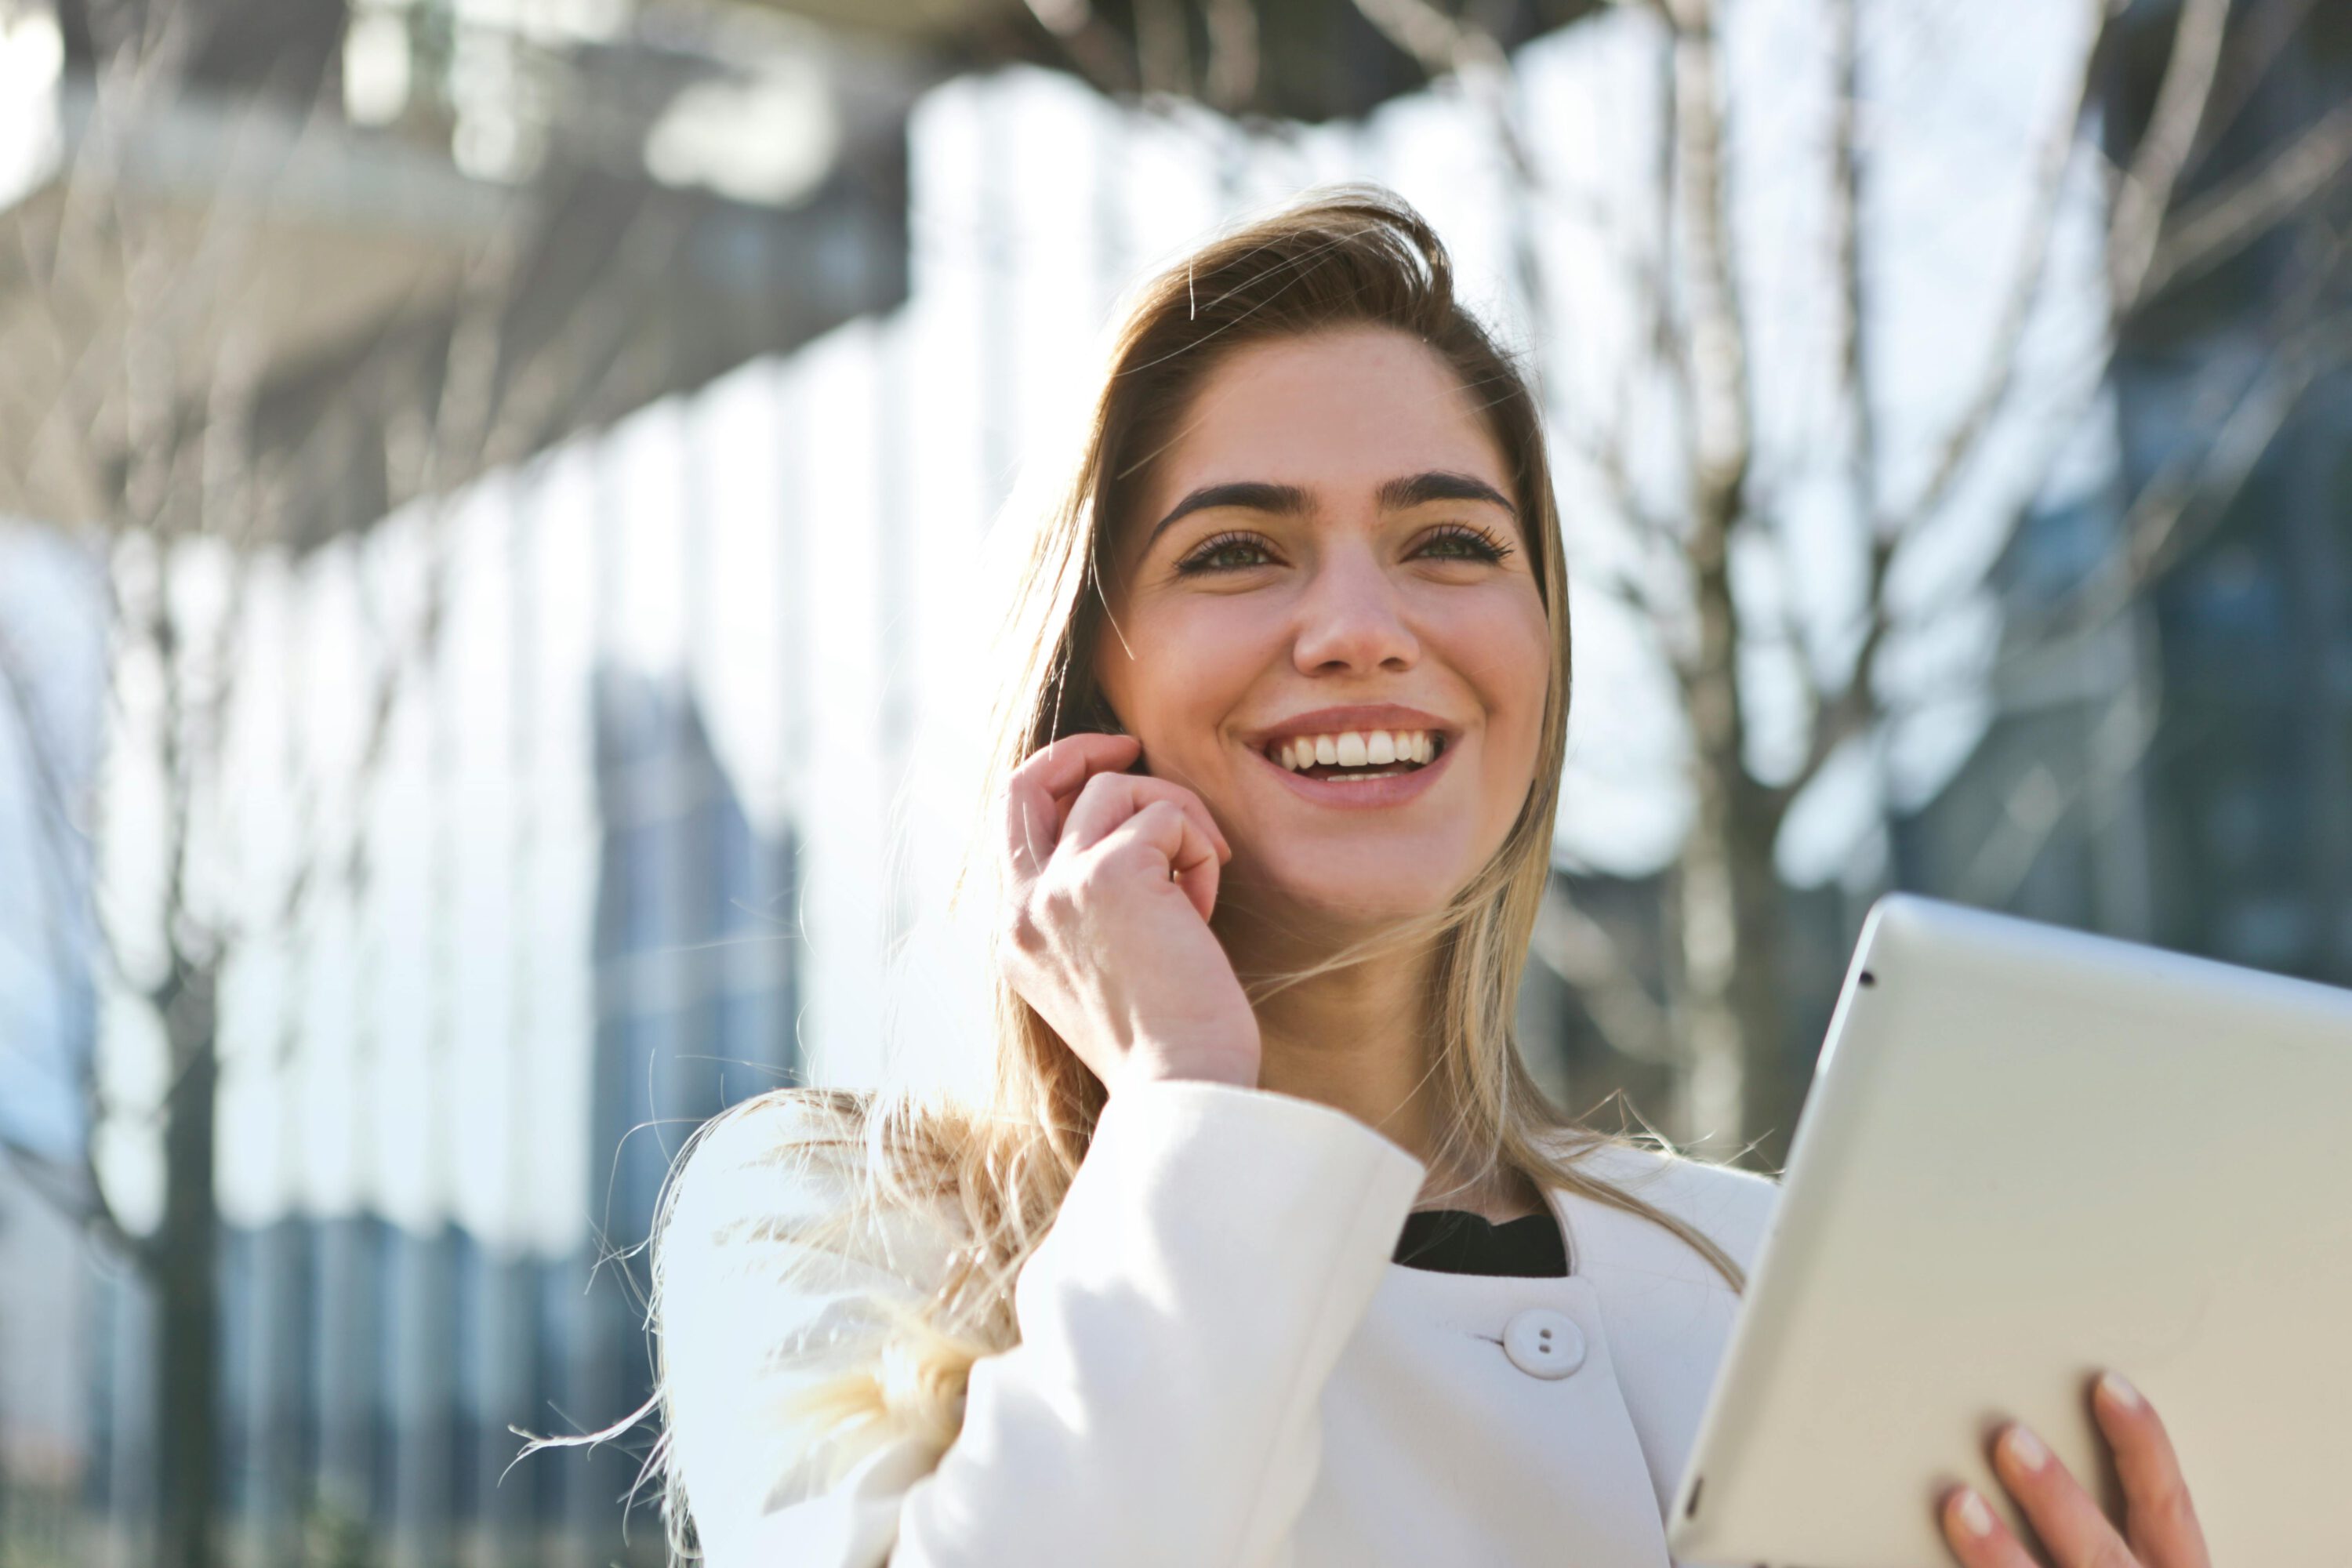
(1286, 697)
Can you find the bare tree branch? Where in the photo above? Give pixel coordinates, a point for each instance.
(83, 1199)
(2225, 222)
(2038, 803)
(2144, 196)
(1604, 455)
(1849, 340)
(74, 1192)
(2191, 494)
(2181, 504)
(2027, 281)
(2262, 33)
(1717, 363)
(1837, 720)
(1854, 710)
(1579, 950)
(2262, 199)
(584, 357)
(2176, 510)
(1851, 307)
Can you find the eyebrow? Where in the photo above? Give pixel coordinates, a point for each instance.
(1290, 500)
(1249, 495)
(1397, 494)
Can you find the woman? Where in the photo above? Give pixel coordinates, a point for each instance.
(1264, 1249)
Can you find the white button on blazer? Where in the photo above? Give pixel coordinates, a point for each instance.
(1219, 1364)
(1544, 1343)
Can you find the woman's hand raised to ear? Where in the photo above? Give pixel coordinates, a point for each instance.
(2160, 1527)
(1110, 881)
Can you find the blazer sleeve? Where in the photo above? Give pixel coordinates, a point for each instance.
(1216, 1249)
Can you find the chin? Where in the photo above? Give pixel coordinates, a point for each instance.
(1351, 902)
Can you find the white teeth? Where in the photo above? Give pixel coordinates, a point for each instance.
(1356, 748)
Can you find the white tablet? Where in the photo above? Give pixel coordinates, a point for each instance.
(2030, 1155)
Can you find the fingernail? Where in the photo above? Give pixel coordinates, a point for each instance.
(1975, 1517)
(2025, 1451)
(2118, 1389)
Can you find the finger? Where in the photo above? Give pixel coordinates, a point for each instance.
(2066, 1517)
(1112, 763)
(1155, 788)
(1031, 810)
(1976, 1534)
(2160, 1521)
(1166, 832)
(1109, 799)
(1029, 828)
(1061, 766)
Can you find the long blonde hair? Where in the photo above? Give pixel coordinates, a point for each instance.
(997, 1171)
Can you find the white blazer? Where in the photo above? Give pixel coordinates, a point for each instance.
(1218, 1365)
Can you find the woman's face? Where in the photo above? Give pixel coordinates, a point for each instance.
(1327, 563)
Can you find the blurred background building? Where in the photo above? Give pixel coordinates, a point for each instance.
(594, 412)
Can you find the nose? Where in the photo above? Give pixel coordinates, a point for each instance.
(1352, 619)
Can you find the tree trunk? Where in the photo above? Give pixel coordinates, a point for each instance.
(1744, 1091)
(1737, 1088)
(1729, 906)
(184, 1271)
(1726, 894)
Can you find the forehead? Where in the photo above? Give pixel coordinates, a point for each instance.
(1335, 414)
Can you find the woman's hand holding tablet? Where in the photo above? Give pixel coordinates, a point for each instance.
(2033, 1159)
(1111, 881)
(2159, 1525)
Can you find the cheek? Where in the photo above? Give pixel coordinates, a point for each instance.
(1502, 644)
(1505, 656)
(1183, 666)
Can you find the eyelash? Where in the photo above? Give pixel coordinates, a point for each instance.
(1485, 547)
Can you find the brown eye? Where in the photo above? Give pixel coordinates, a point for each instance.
(1458, 541)
(1226, 552)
